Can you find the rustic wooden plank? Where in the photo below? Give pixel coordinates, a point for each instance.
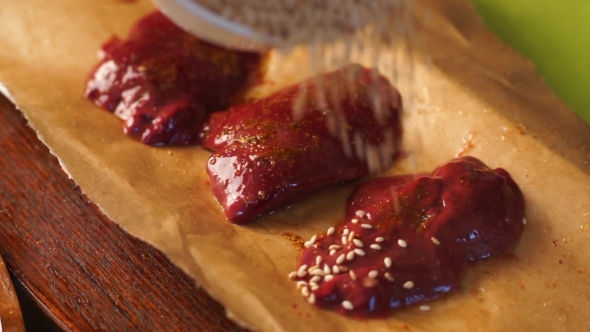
(78, 266)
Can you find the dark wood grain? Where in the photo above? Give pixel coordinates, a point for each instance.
(82, 270)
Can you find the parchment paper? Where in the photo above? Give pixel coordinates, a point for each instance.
(476, 97)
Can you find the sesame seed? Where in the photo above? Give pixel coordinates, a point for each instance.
(379, 239)
(317, 272)
(311, 299)
(332, 252)
(318, 260)
(344, 240)
(402, 243)
(310, 243)
(327, 269)
(305, 291)
(301, 284)
(335, 269)
(360, 213)
(340, 259)
(354, 221)
(334, 247)
(350, 255)
(314, 287)
(315, 267)
(387, 262)
(373, 274)
(315, 279)
(331, 230)
(345, 232)
(359, 252)
(389, 277)
(351, 236)
(302, 271)
(409, 285)
(375, 246)
(358, 243)
(367, 226)
(524, 221)
(435, 240)
(328, 277)
(352, 275)
(425, 308)
(347, 305)
(292, 275)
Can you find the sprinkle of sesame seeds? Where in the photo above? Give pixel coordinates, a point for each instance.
(344, 240)
(315, 279)
(305, 291)
(351, 236)
(332, 252)
(340, 259)
(310, 243)
(367, 226)
(334, 247)
(359, 252)
(435, 240)
(327, 269)
(311, 299)
(379, 239)
(301, 284)
(314, 287)
(302, 271)
(358, 243)
(335, 269)
(350, 256)
(389, 277)
(402, 243)
(347, 305)
(345, 232)
(409, 285)
(328, 277)
(331, 230)
(375, 246)
(352, 275)
(360, 213)
(387, 262)
(425, 308)
(524, 221)
(317, 272)
(373, 274)
(292, 275)
(318, 260)
(354, 221)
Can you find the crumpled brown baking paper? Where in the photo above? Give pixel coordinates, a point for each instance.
(475, 96)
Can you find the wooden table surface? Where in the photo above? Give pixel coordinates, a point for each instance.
(78, 267)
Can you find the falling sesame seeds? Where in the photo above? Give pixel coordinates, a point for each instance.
(367, 226)
(379, 239)
(359, 252)
(345, 232)
(328, 277)
(387, 262)
(409, 285)
(352, 275)
(358, 243)
(373, 274)
(302, 271)
(524, 221)
(330, 231)
(344, 240)
(351, 236)
(347, 305)
(402, 243)
(375, 246)
(360, 213)
(340, 259)
(318, 260)
(332, 252)
(425, 308)
(335, 269)
(350, 256)
(435, 240)
(305, 291)
(315, 279)
(311, 299)
(292, 275)
(389, 277)
(334, 247)
(354, 221)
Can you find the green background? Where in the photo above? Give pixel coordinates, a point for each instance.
(555, 35)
